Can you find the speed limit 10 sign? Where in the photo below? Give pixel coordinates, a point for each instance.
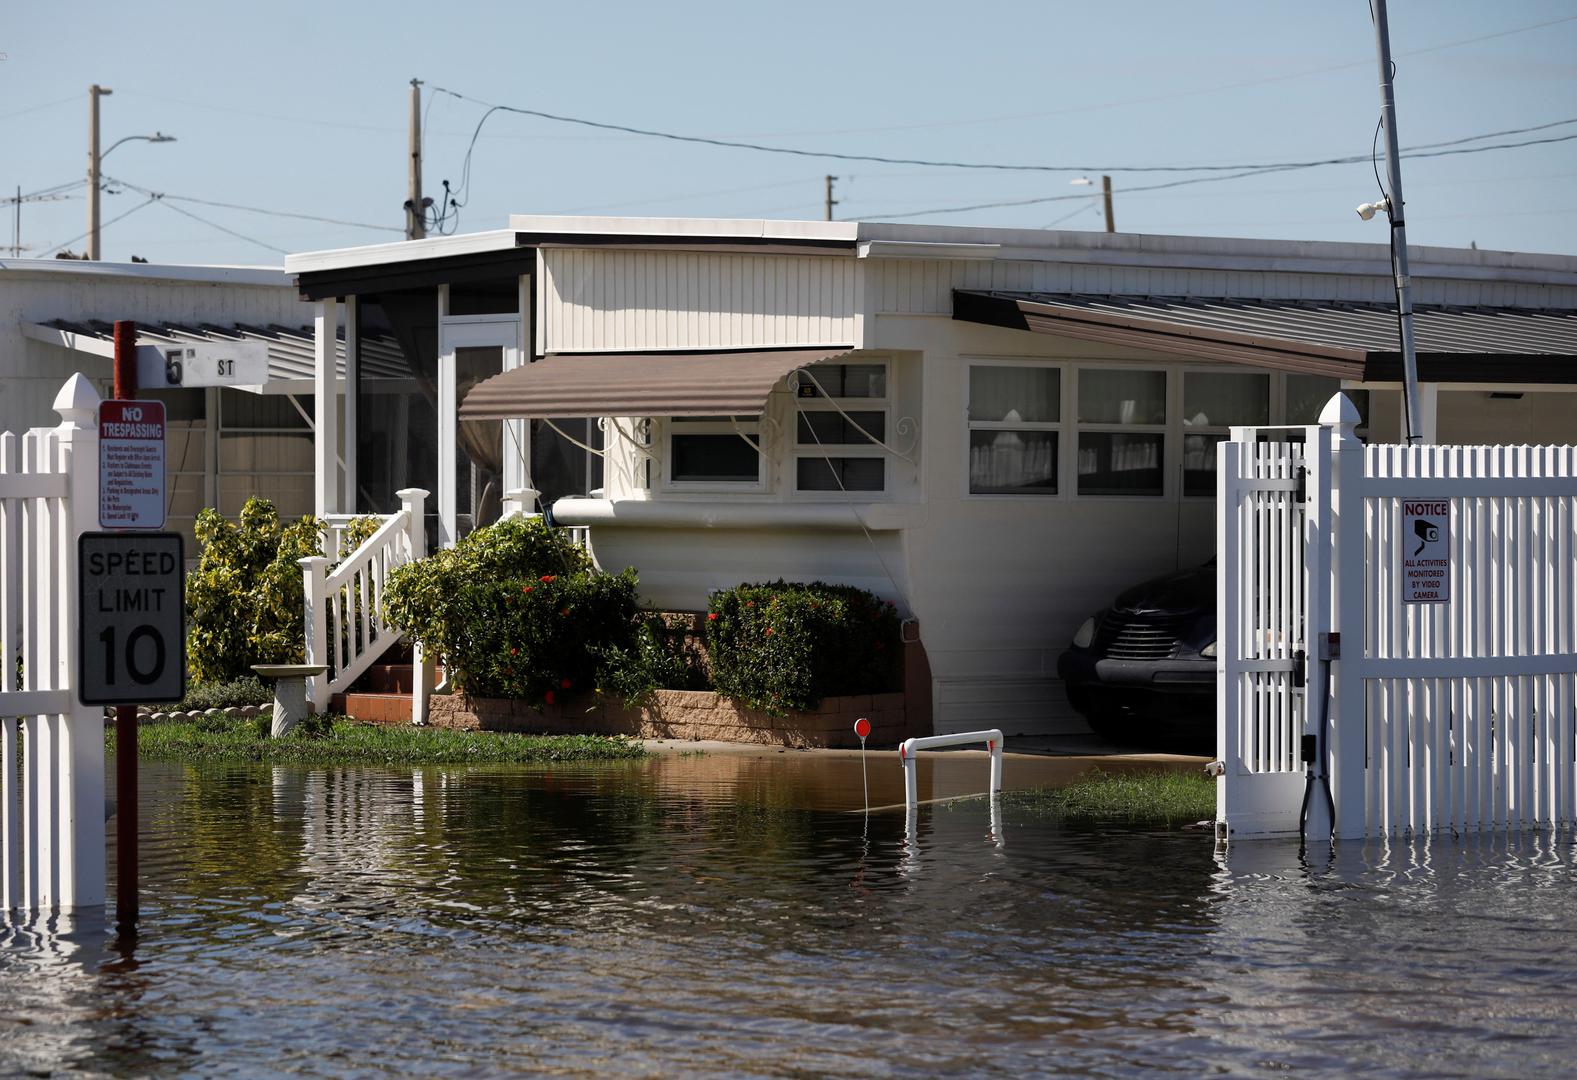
(132, 644)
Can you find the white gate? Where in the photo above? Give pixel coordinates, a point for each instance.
(1270, 602)
(1448, 706)
(52, 822)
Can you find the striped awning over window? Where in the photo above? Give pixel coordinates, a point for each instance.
(638, 384)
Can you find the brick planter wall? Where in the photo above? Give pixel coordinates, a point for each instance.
(685, 714)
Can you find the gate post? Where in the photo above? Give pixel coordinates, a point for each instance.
(79, 785)
(1346, 700)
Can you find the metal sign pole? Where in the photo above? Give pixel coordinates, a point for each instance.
(126, 800)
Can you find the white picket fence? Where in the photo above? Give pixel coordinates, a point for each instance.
(1460, 715)
(52, 821)
(345, 630)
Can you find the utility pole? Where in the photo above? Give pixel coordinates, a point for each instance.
(1393, 210)
(16, 229)
(415, 212)
(1106, 193)
(94, 93)
(831, 202)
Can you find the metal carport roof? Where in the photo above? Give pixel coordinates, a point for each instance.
(1346, 340)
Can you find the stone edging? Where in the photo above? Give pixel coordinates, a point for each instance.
(684, 714)
(234, 712)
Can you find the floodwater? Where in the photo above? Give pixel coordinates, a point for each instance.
(726, 914)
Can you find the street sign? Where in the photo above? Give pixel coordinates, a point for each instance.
(202, 363)
(1426, 551)
(131, 641)
(131, 464)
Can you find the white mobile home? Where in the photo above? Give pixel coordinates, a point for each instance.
(995, 429)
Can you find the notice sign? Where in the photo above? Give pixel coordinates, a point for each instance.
(1426, 551)
(132, 644)
(131, 464)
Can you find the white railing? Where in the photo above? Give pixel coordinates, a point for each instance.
(52, 824)
(345, 631)
(907, 748)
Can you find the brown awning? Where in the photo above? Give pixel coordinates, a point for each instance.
(638, 384)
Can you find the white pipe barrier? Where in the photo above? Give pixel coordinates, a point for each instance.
(906, 749)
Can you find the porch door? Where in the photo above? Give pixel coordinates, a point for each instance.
(478, 460)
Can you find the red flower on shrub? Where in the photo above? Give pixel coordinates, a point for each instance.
(750, 603)
(548, 697)
(711, 616)
(564, 612)
(513, 651)
(525, 588)
(548, 577)
(563, 684)
(769, 631)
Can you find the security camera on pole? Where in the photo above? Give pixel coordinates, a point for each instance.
(1392, 205)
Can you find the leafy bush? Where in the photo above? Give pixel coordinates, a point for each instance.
(783, 646)
(246, 690)
(244, 602)
(661, 654)
(515, 610)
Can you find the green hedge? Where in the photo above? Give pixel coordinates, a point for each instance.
(784, 646)
(515, 610)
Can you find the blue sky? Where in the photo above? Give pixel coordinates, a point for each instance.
(301, 108)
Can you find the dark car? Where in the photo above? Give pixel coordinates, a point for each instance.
(1146, 666)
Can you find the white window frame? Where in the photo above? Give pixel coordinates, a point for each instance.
(1275, 409)
(1060, 425)
(821, 452)
(747, 430)
(1171, 441)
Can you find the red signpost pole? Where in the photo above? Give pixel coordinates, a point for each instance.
(126, 802)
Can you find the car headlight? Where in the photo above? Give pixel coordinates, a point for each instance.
(1209, 651)
(1086, 634)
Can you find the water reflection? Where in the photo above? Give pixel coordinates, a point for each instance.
(696, 915)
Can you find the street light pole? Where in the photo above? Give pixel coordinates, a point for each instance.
(94, 93)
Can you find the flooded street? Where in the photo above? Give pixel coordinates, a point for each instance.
(727, 914)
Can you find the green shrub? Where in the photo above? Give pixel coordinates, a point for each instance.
(782, 646)
(246, 690)
(244, 601)
(661, 654)
(515, 610)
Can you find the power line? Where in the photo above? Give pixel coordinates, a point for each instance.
(221, 228)
(1216, 178)
(882, 159)
(105, 225)
(38, 108)
(254, 209)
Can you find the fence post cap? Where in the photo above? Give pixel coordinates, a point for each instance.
(412, 493)
(312, 561)
(78, 402)
(1340, 413)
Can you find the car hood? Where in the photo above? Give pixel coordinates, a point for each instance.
(1184, 591)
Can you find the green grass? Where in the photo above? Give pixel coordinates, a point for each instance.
(1137, 798)
(349, 743)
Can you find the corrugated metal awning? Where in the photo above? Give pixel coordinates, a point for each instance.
(1344, 340)
(291, 365)
(638, 384)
